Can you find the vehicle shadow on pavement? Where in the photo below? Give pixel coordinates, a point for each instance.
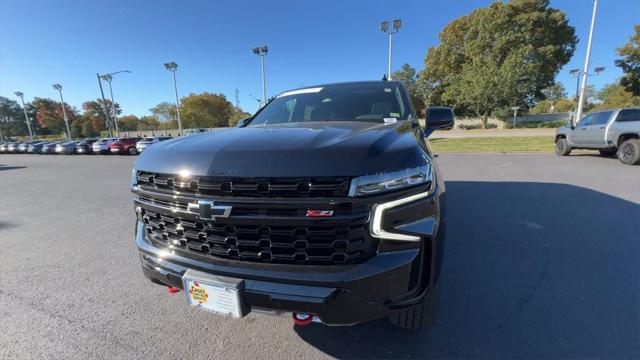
(535, 270)
(5, 167)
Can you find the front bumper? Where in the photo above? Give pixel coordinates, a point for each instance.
(399, 275)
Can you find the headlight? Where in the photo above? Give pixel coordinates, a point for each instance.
(390, 181)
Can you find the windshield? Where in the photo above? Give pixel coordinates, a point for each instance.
(375, 102)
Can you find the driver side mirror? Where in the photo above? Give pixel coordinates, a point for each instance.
(243, 122)
(439, 118)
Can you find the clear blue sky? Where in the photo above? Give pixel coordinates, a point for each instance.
(68, 41)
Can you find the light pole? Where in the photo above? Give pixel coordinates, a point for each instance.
(107, 119)
(585, 73)
(384, 27)
(262, 52)
(64, 112)
(172, 66)
(258, 100)
(108, 78)
(26, 117)
(577, 73)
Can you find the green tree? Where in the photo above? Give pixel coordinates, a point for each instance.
(76, 129)
(237, 115)
(555, 92)
(88, 129)
(616, 96)
(500, 56)
(128, 123)
(553, 106)
(205, 110)
(409, 78)
(630, 63)
(149, 123)
(164, 112)
(12, 121)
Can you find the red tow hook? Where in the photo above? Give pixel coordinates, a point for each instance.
(302, 319)
(173, 289)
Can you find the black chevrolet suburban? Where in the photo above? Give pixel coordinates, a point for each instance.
(326, 204)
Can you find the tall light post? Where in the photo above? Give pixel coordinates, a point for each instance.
(258, 100)
(26, 117)
(585, 73)
(172, 66)
(107, 119)
(64, 112)
(262, 52)
(384, 27)
(577, 73)
(108, 78)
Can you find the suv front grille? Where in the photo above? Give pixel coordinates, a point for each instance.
(291, 187)
(312, 244)
(258, 229)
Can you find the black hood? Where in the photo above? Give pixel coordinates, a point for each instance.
(294, 149)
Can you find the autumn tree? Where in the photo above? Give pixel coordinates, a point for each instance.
(50, 116)
(205, 110)
(630, 63)
(94, 111)
(500, 56)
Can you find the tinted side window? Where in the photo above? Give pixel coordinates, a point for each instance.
(601, 118)
(629, 115)
(587, 120)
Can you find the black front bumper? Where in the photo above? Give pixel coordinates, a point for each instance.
(399, 275)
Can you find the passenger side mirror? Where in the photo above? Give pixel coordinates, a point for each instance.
(438, 118)
(243, 122)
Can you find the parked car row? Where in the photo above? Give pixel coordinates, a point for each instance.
(120, 146)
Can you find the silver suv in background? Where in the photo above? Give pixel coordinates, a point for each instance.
(146, 142)
(102, 146)
(612, 132)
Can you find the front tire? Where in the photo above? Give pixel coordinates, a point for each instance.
(562, 147)
(133, 151)
(419, 316)
(629, 152)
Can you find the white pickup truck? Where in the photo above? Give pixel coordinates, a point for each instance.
(610, 131)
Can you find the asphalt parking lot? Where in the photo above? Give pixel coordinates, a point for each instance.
(542, 260)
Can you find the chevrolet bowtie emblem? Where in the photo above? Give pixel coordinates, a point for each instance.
(208, 210)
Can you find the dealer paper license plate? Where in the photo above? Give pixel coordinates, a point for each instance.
(212, 293)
